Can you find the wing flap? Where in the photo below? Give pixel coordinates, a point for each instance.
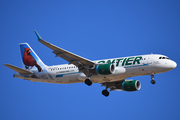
(19, 70)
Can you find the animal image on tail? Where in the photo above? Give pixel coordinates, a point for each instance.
(29, 60)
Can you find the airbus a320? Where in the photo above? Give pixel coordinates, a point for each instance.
(111, 73)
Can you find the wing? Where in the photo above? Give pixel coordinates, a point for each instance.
(80, 62)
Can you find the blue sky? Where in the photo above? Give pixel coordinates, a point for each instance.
(95, 29)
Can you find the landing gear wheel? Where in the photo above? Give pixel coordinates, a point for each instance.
(105, 93)
(88, 82)
(153, 82)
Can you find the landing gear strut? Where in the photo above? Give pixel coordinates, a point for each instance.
(152, 79)
(105, 92)
(88, 82)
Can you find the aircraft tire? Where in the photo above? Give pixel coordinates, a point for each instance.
(153, 82)
(105, 93)
(88, 82)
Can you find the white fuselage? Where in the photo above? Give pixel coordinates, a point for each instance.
(125, 67)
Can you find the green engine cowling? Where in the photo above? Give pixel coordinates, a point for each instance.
(105, 69)
(131, 85)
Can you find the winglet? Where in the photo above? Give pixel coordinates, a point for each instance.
(37, 35)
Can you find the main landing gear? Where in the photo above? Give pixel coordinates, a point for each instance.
(105, 93)
(88, 82)
(152, 79)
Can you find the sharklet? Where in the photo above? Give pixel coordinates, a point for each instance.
(37, 35)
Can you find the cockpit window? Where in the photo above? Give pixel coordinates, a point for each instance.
(163, 58)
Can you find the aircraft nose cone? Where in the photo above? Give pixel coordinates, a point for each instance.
(173, 64)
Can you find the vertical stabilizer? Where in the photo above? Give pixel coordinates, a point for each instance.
(30, 59)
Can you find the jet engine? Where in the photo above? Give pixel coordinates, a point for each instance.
(105, 69)
(131, 85)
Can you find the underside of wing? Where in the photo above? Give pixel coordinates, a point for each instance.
(124, 85)
(113, 85)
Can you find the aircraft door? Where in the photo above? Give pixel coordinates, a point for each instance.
(149, 59)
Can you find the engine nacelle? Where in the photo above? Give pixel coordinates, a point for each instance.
(105, 69)
(131, 85)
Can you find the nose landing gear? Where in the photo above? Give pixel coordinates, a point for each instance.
(152, 79)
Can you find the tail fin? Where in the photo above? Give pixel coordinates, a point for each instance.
(30, 59)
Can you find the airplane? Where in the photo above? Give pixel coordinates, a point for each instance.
(111, 73)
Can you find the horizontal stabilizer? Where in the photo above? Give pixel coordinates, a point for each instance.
(19, 70)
